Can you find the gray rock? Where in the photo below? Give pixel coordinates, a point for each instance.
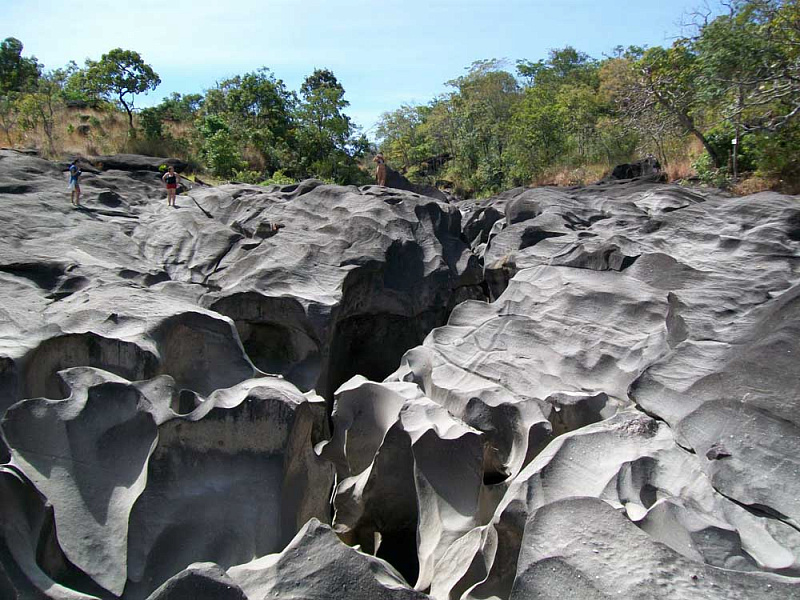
(199, 580)
(316, 565)
(136, 162)
(140, 491)
(571, 546)
(410, 475)
(362, 274)
(397, 181)
(638, 469)
(621, 420)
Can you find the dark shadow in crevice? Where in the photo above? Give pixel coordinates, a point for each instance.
(373, 344)
(40, 378)
(533, 235)
(399, 549)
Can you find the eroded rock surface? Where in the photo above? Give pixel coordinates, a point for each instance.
(314, 391)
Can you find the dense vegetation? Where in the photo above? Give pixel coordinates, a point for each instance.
(727, 95)
(737, 77)
(248, 127)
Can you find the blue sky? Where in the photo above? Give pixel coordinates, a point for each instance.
(384, 53)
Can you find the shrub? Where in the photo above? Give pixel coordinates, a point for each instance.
(152, 124)
(247, 176)
(707, 174)
(222, 154)
(278, 178)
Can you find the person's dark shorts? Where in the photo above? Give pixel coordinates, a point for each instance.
(172, 186)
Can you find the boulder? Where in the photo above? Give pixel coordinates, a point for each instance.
(316, 565)
(199, 580)
(641, 168)
(396, 180)
(136, 162)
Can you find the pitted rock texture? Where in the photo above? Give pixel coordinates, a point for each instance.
(314, 391)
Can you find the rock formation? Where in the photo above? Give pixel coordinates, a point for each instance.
(314, 391)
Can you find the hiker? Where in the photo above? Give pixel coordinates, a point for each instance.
(74, 184)
(171, 179)
(380, 170)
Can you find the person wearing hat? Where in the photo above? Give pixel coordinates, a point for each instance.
(74, 184)
(380, 170)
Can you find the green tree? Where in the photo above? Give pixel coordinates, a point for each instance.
(40, 107)
(749, 67)
(9, 114)
(120, 75)
(638, 120)
(477, 117)
(17, 73)
(219, 148)
(403, 141)
(325, 132)
(668, 80)
(257, 109)
(151, 121)
(556, 122)
(564, 65)
(181, 107)
(539, 125)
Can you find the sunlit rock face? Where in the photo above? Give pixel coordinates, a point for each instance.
(316, 391)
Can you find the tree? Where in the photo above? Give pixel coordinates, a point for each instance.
(750, 63)
(325, 132)
(556, 122)
(402, 137)
(9, 114)
(562, 65)
(181, 107)
(17, 73)
(39, 108)
(639, 121)
(219, 148)
(539, 126)
(478, 118)
(120, 75)
(662, 87)
(257, 109)
(749, 67)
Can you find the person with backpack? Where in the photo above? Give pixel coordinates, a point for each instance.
(74, 184)
(171, 180)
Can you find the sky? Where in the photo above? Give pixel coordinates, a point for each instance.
(385, 54)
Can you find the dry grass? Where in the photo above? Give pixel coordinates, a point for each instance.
(680, 168)
(88, 132)
(755, 184)
(567, 177)
(84, 131)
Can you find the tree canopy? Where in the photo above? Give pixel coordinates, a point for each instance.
(120, 75)
(734, 77)
(723, 99)
(17, 73)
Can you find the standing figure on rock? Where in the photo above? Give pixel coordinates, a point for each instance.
(74, 184)
(380, 170)
(171, 179)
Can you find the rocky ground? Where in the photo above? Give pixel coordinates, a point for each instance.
(314, 391)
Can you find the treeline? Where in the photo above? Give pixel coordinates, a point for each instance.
(728, 95)
(731, 89)
(249, 127)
